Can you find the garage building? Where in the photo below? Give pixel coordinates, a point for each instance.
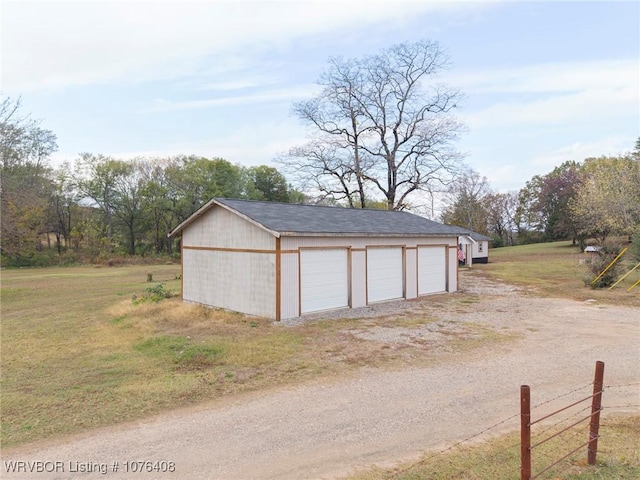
(280, 260)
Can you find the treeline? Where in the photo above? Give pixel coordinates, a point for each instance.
(100, 207)
(594, 199)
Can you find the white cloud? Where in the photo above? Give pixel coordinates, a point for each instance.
(593, 91)
(578, 151)
(595, 105)
(248, 144)
(275, 95)
(551, 77)
(62, 43)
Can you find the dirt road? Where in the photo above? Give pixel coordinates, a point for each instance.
(328, 428)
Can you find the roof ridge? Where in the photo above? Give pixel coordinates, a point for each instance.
(367, 209)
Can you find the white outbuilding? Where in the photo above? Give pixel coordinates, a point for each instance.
(474, 247)
(280, 260)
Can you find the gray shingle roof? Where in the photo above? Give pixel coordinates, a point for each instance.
(295, 219)
(476, 236)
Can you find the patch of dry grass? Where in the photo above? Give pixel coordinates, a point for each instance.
(499, 458)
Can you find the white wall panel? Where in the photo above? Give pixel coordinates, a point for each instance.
(221, 228)
(411, 273)
(293, 243)
(358, 274)
(240, 281)
(452, 274)
(290, 285)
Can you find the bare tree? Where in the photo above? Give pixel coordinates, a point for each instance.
(466, 202)
(379, 128)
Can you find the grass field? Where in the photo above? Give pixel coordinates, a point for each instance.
(557, 269)
(78, 353)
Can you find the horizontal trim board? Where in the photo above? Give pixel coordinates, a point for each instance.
(255, 250)
(227, 249)
(337, 247)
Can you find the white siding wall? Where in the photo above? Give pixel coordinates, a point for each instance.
(411, 273)
(290, 285)
(292, 243)
(358, 287)
(481, 244)
(221, 228)
(452, 276)
(239, 281)
(234, 267)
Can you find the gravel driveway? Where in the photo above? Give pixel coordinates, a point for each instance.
(329, 427)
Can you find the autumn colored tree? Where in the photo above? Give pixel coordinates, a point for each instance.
(25, 187)
(608, 198)
(502, 214)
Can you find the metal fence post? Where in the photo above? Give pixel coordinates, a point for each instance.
(596, 404)
(525, 432)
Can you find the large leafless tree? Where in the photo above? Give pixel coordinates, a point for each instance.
(381, 126)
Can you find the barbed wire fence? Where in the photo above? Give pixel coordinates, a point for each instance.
(559, 435)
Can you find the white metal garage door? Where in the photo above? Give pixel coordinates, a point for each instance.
(324, 281)
(384, 274)
(432, 270)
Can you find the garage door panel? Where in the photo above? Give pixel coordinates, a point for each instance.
(384, 274)
(432, 270)
(324, 282)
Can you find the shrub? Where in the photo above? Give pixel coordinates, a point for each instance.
(599, 262)
(634, 248)
(154, 293)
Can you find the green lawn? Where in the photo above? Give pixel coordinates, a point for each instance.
(556, 269)
(78, 353)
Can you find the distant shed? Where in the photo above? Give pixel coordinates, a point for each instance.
(475, 247)
(280, 260)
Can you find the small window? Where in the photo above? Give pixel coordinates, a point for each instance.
(480, 246)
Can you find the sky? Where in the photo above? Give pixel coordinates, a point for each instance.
(544, 82)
